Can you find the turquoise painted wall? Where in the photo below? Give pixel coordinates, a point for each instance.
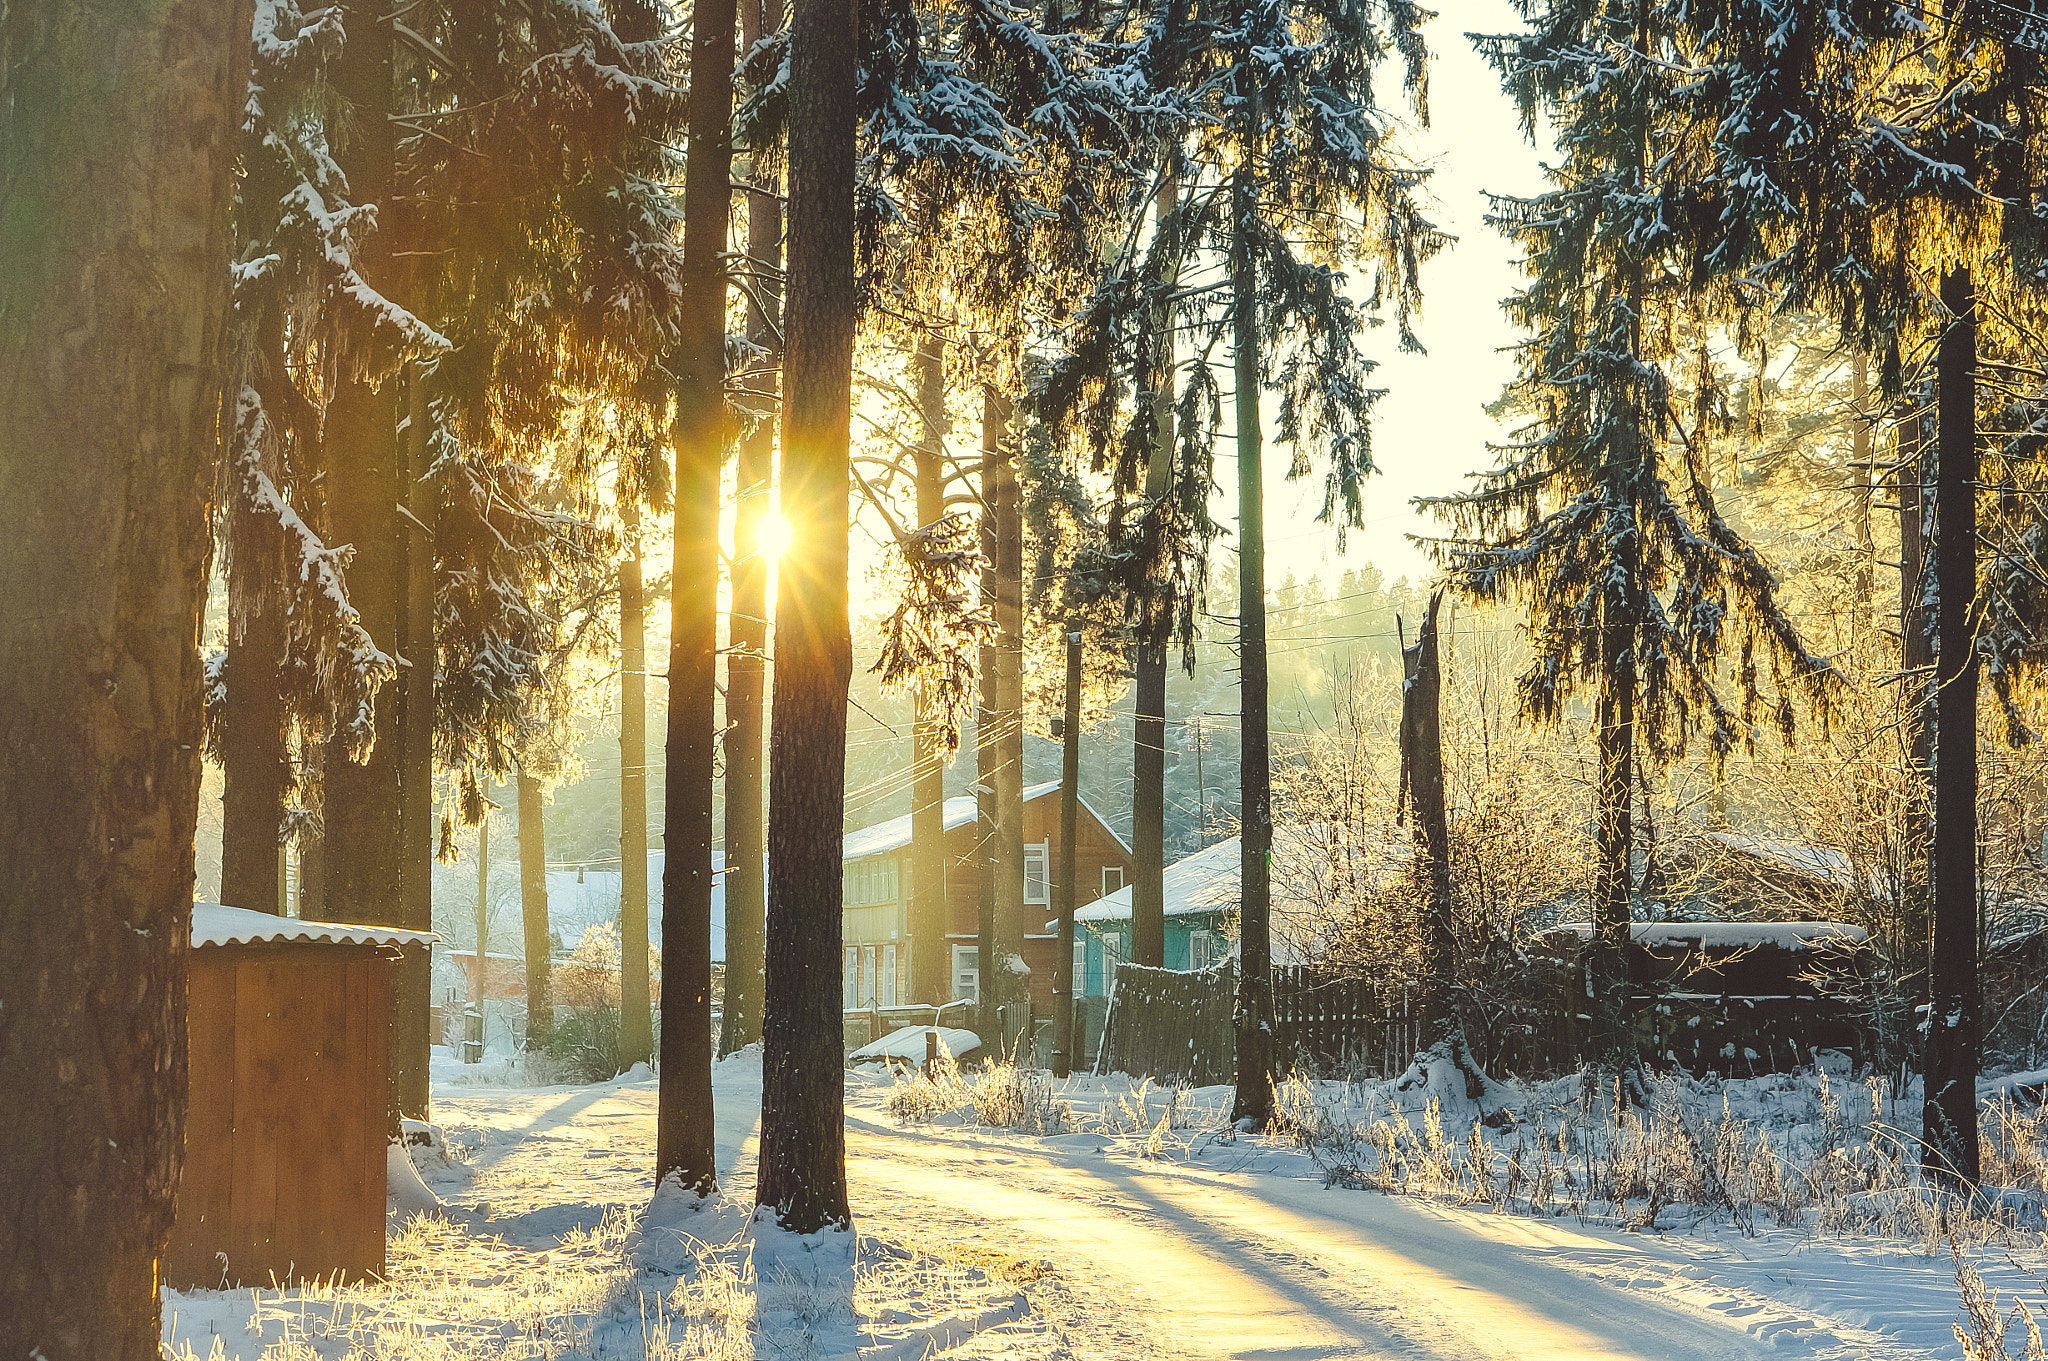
(1179, 946)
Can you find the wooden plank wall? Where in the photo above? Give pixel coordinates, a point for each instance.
(285, 1140)
(1174, 1025)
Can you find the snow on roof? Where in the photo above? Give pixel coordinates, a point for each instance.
(1816, 862)
(1205, 882)
(1731, 935)
(579, 899)
(959, 811)
(214, 924)
(908, 1044)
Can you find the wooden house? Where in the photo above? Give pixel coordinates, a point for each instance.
(877, 960)
(286, 1138)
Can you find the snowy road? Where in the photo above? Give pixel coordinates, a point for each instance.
(1240, 1252)
(1245, 1265)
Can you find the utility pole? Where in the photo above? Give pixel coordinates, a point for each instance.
(1070, 799)
(1201, 786)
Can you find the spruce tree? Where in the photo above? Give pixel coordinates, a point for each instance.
(1633, 593)
(1904, 196)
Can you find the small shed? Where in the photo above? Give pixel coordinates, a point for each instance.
(289, 1040)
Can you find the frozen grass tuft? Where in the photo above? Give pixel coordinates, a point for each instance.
(1000, 1095)
(1808, 1151)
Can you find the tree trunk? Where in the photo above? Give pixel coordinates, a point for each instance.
(312, 840)
(412, 983)
(1911, 937)
(117, 134)
(533, 912)
(1252, 1104)
(1950, 1118)
(684, 1145)
(1148, 727)
(746, 667)
(1860, 457)
(365, 482)
(479, 986)
(803, 1132)
(1610, 1046)
(252, 748)
(1070, 799)
(636, 1004)
(1004, 978)
(1422, 756)
(931, 980)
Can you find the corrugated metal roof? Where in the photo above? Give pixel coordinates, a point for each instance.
(215, 924)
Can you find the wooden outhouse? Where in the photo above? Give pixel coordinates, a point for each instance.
(289, 1037)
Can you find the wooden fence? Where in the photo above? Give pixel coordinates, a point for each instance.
(1172, 1025)
(1178, 1026)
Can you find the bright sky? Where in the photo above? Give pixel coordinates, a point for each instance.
(1430, 430)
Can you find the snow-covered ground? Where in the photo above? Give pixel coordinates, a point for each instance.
(1141, 1227)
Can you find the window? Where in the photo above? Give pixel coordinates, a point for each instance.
(1112, 879)
(1201, 947)
(849, 983)
(888, 993)
(1079, 985)
(1036, 884)
(967, 972)
(867, 977)
(869, 882)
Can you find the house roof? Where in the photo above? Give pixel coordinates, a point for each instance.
(959, 811)
(581, 899)
(215, 924)
(1204, 883)
(1822, 863)
(1730, 935)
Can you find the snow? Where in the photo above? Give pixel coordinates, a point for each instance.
(1144, 1228)
(909, 1044)
(213, 924)
(959, 811)
(1733, 935)
(1205, 882)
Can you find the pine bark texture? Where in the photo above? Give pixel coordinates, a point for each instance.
(362, 810)
(116, 131)
(533, 912)
(746, 667)
(1955, 991)
(930, 965)
(1253, 1101)
(803, 1134)
(684, 1148)
(636, 1001)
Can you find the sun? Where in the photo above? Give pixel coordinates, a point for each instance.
(776, 535)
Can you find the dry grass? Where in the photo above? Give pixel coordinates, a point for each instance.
(999, 1095)
(1829, 1159)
